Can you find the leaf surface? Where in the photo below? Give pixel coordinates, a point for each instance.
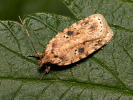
(105, 74)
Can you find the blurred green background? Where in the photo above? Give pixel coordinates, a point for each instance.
(11, 9)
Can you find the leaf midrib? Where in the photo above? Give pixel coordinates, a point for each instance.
(90, 85)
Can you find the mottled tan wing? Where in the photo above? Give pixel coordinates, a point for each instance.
(83, 50)
(78, 41)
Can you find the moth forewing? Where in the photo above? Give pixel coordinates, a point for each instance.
(78, 41)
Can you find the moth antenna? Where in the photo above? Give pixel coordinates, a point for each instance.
(28, 34)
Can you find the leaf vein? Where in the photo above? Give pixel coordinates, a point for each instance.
(12, 35)
(44, 23)
(80, 93)
(107, 68)
(42, 92)
(17, 91)
(127, 53)
(72, 82)
(19, 55)
(63, 95)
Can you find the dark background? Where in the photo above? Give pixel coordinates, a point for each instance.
(11, 9)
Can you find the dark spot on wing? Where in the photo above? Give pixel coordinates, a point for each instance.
(77, 33)
(56, 56)
(80, 58)
(81, 50)
(98, 43)
(75, 51)
(69, 33)
(61, 57)
(86, 23)
(53, 45)
(83, 43)
(66, 37)
(87, 54)
(92, 27)
(95, 49)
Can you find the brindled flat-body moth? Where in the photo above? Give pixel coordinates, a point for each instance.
(77, 41)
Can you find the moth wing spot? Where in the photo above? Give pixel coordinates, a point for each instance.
(83, 43)
(77, 33)
(80, 58)
(87, 54)
(84, 23)
(75, 51)
(56, 56)
(65, 37)
(69, 33)
(81, 50)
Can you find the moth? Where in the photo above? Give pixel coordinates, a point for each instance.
(76, 42)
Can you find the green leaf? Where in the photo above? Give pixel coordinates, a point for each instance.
(106, 74)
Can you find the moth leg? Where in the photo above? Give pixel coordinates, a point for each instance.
(45, 71)
(40, 63)
(38, 55)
